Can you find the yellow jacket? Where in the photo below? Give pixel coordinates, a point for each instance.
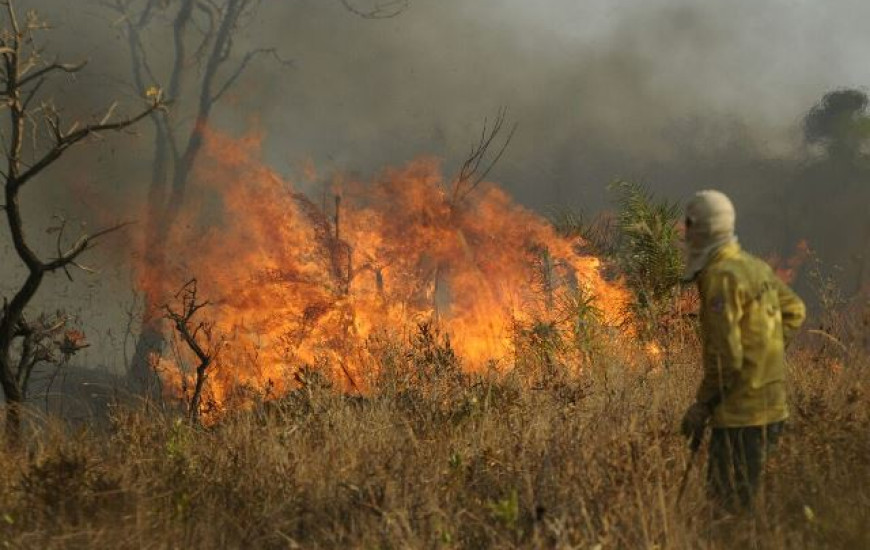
(747, 315)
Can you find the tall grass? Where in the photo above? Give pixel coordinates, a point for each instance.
(436, 458)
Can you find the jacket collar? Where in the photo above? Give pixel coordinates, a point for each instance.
(725, 252)
(700, 259)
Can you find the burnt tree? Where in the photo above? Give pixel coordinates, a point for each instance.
(199, 70)
(34, 138)
(199, 66)
(199, 337)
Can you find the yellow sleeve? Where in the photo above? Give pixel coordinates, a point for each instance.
(723, 346)
(794, 312)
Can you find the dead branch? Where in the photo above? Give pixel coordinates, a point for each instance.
(206, 352)
(240, 69)
(32, 93)
(65, 140)
(84, 243)
(381, 10)
(474, 170)
(41, 341)
(68, 68)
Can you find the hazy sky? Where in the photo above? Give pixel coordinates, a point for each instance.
(597, 87)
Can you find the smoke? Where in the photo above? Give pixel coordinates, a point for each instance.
(600, 89)
(681, 95)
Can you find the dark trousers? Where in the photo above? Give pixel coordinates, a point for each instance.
(736, 460)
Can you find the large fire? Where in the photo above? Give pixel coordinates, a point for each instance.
(294, 281)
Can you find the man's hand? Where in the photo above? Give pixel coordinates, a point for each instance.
(695, 419)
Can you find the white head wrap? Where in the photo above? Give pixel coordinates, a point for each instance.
(710, 221)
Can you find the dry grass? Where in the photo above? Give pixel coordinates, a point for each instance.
(436, 459)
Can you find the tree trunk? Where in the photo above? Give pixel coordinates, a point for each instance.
(14, 400)
(12, 390)
(196, 399)
(14, 406)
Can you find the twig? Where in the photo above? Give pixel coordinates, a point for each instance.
(69, 68)
(830, 337)
(385, 10)
(240, 69)
(66, 140)
(85, 242)
(470, 175)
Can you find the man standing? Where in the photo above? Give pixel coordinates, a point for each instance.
(747, 316)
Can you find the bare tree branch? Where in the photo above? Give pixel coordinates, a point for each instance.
(134, 26)
(219, 53)
(240, 69)
(69, 68)
(212, 14)
(166, 149)
(84, 243)
(60, 229)
(470, 174)
(65, 140)
(32, 93)
(381, 10)
(180, 47)
(13, 21)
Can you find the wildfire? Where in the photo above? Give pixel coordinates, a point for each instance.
(787, 269)
(295, 283)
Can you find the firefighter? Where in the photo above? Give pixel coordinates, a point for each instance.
(747, 316)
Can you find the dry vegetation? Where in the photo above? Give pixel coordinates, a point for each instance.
(437, 459)
(430, 456)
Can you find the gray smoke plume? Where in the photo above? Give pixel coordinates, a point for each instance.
(600, 89)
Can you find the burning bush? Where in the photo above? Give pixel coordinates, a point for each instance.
(293, 285)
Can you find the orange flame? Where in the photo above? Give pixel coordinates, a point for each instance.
(293, 286)
(787, 270)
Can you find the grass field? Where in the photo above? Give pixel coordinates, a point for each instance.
(433, 458)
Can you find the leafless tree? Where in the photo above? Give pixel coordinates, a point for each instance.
(200, 66)
(198, 336)
(35, 138)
